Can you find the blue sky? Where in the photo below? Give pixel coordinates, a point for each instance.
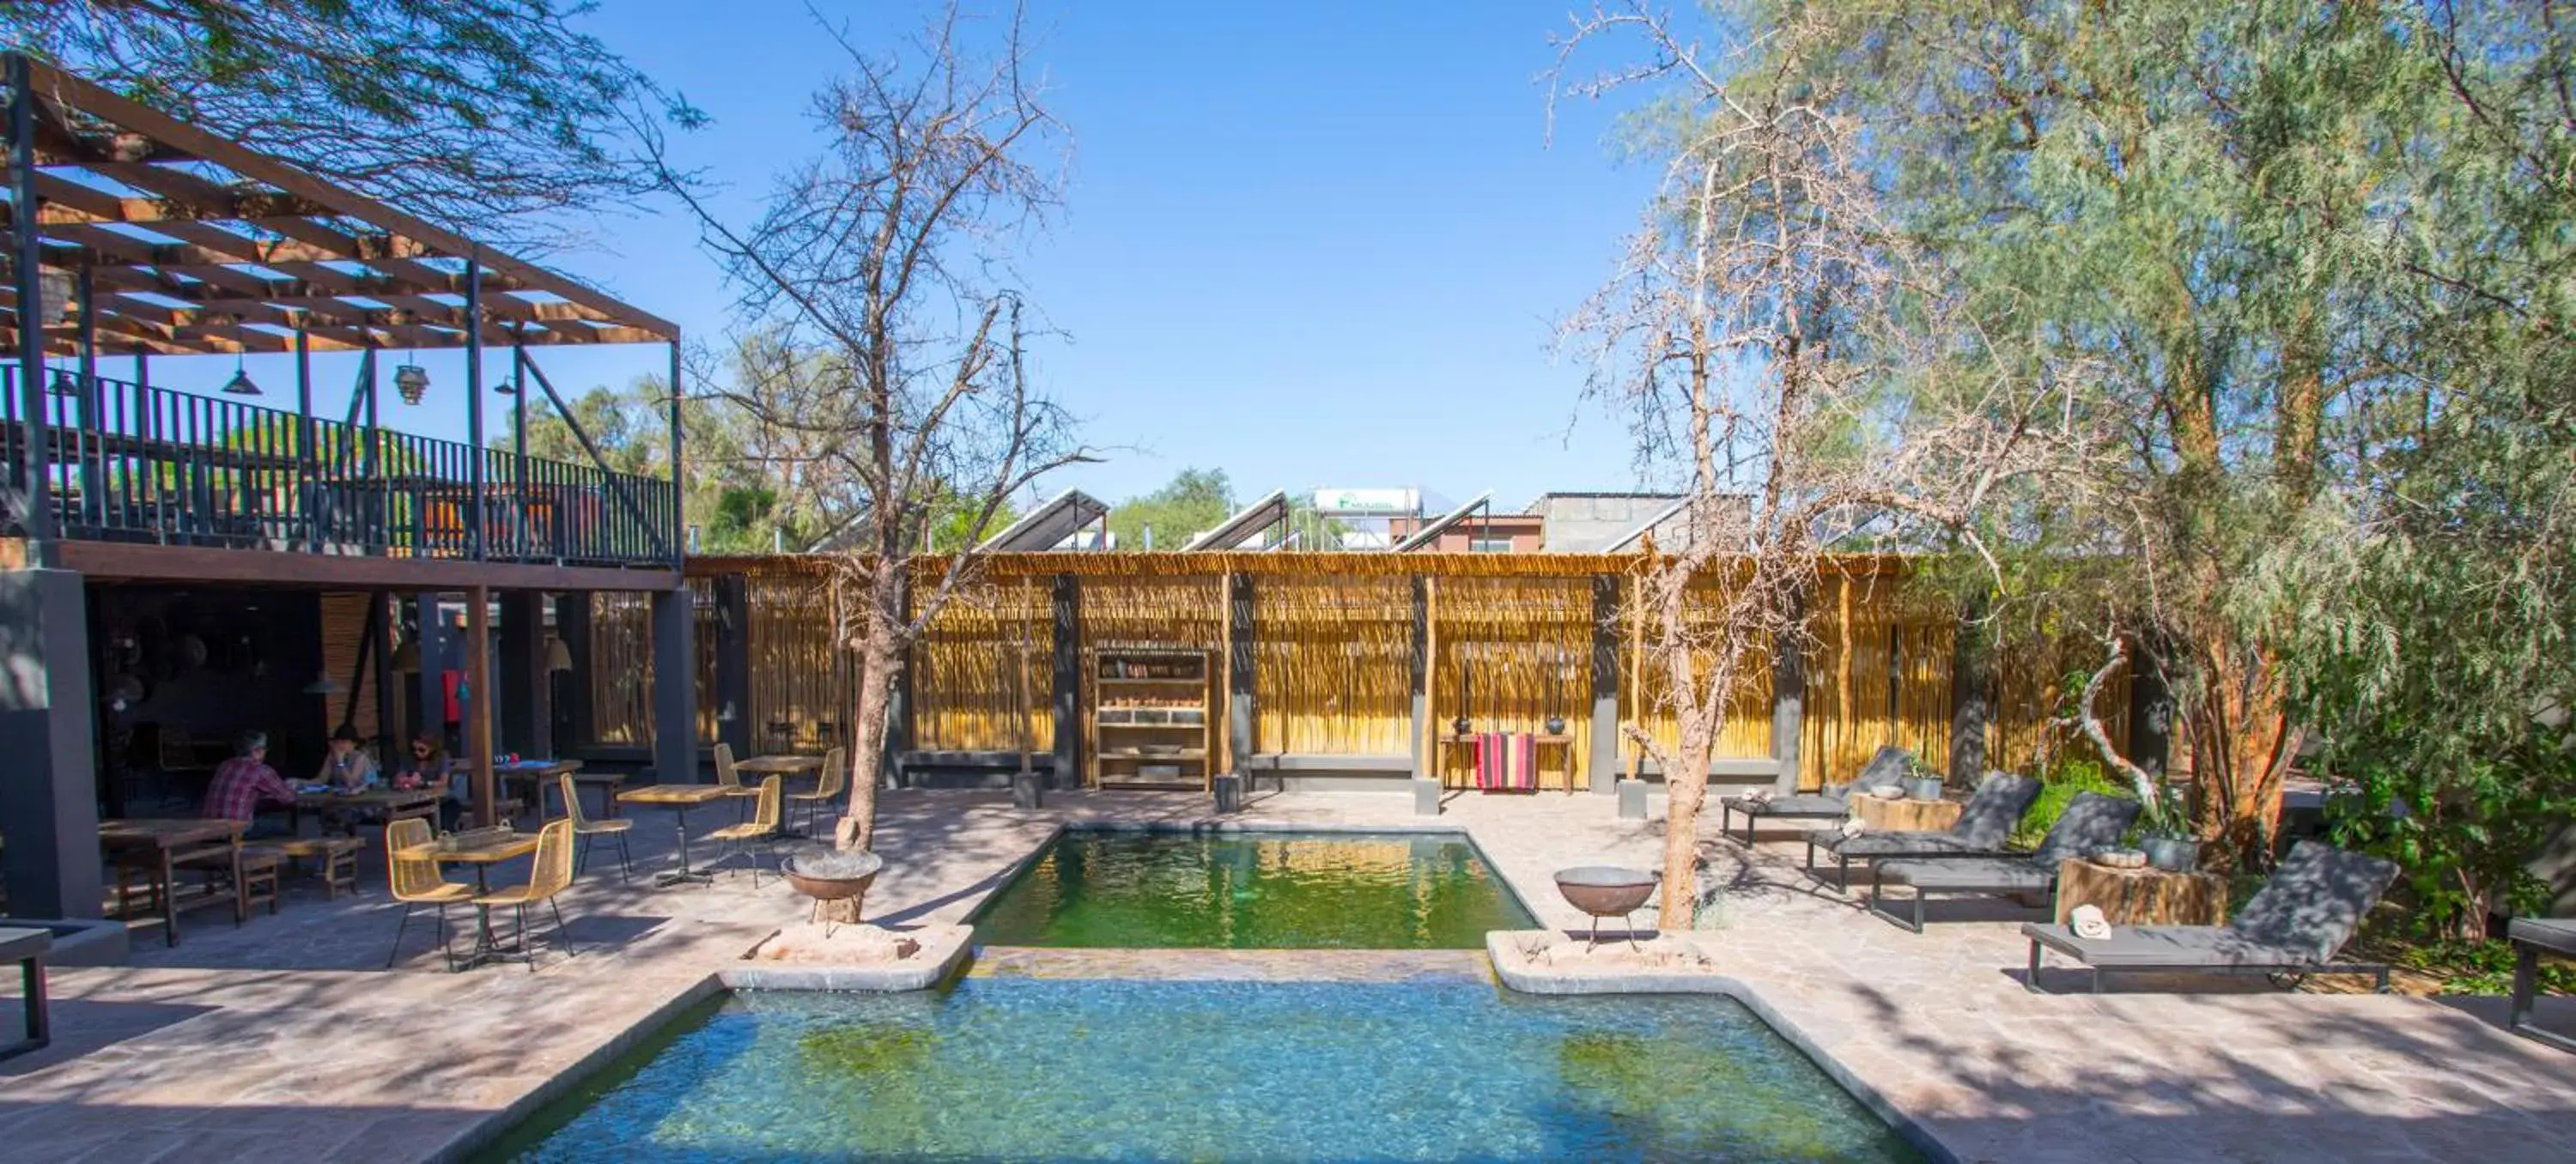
(1312, 244)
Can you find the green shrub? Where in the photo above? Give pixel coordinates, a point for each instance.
(2058, 788)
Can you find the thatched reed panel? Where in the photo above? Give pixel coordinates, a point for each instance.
(1507, 653)
(1645, 692)
(621, 667)
(1332, 665)
(344, 624)
(2037, 683)
(1878, 673)
(983, 677)
(804, 686)
(621, 663)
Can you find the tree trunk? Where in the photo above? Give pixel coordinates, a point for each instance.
(1686, 780)
(2242, 745)
(879, 654)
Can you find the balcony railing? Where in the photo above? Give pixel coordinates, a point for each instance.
(132, 463)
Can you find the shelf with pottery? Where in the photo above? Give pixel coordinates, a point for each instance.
(1151, 724)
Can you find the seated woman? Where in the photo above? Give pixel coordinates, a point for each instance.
(428, 767)
(347, 768)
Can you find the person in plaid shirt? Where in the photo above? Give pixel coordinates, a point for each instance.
(244, 783)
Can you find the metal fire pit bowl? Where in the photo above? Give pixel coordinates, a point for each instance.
(849, 877)
(1607, 891)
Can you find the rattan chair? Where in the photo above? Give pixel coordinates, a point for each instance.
(419, 883)
(590, 831)
(762, 827)
(833, 782)
(548, 876)
(729, 779)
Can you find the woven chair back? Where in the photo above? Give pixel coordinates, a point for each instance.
(572, 800)
(553, 871)
(725, 775)
(411, 879)
(836, 774)
(766, 816)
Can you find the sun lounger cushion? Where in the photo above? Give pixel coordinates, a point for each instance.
(2160, 946)
(2314, 900)
(1807, 805)
(1970, 874)
(1886, 769)
(1984, 825)
(2547, 933)
(2091, 822)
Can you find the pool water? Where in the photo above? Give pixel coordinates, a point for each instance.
(1099, 1069)
(1244, 891)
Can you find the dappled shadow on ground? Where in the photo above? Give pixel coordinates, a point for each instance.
(81, 1026)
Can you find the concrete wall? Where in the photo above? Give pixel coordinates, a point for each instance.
(1589, 522)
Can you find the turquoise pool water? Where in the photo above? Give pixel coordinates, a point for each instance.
(1054, 1069)
(1349, 891)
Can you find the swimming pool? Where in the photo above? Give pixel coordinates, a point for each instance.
(1253, 890)
(1101, 1069)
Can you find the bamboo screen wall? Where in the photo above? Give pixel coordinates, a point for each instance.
(621, 663)
(344, 623)
(1333, 665)
(1643, 693)
(1331, 658)
(964, 695)
(1507, 653)
(802, 683)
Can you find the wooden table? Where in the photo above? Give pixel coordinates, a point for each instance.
(165, 843)
(481, 851)
(395, 803)
(539, 776)
(680, 798)
(780, 764)
(2141, 897)
(1906, 815)
(1564, 742)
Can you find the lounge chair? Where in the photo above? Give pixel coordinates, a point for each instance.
(1984, 827)
(2531, 936)
(2093, 821)
(2295, 925)
(1885, 770)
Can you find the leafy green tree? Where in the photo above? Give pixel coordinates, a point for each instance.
(470, 113)
(2306, 266)
(1192, 501)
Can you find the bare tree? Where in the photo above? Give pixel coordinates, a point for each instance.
(1747, 335)
(885, 371)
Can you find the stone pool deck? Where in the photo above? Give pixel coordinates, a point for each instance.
(286, 1038)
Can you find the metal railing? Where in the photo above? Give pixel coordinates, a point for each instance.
(131, 462)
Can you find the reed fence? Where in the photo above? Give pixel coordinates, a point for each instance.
(1509, 644)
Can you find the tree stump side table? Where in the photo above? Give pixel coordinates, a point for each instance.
(2141, 897)
(1889, 816)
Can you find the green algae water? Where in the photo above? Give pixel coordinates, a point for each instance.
(1252, 891)
(1100, 1069)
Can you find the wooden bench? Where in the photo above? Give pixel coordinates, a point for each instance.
(253, 875)
(336, 859)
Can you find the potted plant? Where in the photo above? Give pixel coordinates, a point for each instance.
(1921, 781)
(2165, 832)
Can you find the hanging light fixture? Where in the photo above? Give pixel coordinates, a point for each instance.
(240, 384)
(507, 387)
(558, 656)
(412, 381)
(324, 684)
(63, 384)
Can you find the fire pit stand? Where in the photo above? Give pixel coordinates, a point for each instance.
(1607, 891)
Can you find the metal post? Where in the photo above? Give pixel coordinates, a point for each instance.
(33, 469)
(93, 435)
(1066, 672)
(677, 552)
(307, 495)
(475, 509)
(478, 701)
(519, 446)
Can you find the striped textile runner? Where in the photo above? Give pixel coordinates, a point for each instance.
(1506, 761)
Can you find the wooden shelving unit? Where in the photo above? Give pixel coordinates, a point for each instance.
(1153, 718)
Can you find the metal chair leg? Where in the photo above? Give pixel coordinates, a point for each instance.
(625, 862)
(399, 927)
(561, 938)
